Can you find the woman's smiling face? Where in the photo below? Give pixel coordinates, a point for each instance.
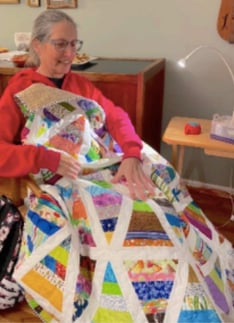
(57, 53)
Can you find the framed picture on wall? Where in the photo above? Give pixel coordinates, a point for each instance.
(9, 1)
(34, 3)
(59, 4)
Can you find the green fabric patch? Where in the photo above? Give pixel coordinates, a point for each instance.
(141, 206)
(111, 288)
(104, 315)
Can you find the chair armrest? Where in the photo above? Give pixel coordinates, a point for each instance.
(30, 183)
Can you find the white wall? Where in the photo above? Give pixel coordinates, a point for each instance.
(156, 28)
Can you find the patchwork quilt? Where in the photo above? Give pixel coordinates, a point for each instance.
(91, 254)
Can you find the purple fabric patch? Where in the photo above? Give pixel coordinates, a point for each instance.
(217, 295)
(202, 228)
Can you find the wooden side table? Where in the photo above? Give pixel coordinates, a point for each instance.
(174, 135)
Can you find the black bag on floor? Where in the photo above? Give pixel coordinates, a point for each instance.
(11, 229)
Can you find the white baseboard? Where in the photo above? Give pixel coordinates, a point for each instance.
(193, 183)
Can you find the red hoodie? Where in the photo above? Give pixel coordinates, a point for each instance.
(18, 160)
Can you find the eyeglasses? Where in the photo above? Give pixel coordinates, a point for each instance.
(62, 44)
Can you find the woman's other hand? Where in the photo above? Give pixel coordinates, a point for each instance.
(68, 166)
(139, 184)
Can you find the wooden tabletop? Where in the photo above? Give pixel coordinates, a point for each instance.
(175, 135)
(103, 65)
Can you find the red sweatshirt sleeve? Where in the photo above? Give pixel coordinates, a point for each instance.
(118, 122)
(18, 160)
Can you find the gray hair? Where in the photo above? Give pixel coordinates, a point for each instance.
(42, 29)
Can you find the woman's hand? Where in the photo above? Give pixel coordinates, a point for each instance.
(140, 186)
(68, 166)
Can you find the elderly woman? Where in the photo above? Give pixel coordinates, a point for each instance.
(53, 47)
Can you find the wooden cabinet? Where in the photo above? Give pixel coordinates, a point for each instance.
(6, 72)
(137, 85)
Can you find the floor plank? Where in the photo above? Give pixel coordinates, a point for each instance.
(20, 313)
(218, 207)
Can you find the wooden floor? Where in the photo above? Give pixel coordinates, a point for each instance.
(218, 206)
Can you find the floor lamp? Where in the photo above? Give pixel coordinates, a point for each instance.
(222, 127)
